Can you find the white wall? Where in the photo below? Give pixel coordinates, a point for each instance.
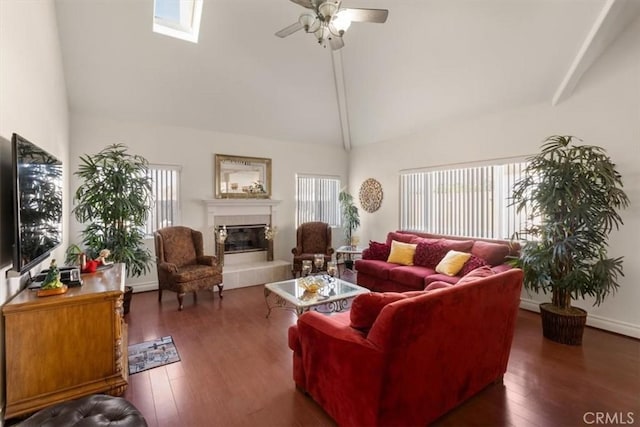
(604, 110)
(33, 100)
(194, 150)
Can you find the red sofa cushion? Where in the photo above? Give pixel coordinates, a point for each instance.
(492, 253)
(372, 267)
(438, 277)
(410, 276)
(477, 274)
(437, 285)
(457, 245)
(399, 237)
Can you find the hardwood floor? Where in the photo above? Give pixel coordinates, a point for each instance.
(235, 370)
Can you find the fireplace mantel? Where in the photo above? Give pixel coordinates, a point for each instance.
(254, 206)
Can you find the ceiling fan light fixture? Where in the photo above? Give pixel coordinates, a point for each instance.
(309, 22)
(341, 22)
(327, 9)
(321, 33)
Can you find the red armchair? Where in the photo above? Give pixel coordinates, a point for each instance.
(423, 355)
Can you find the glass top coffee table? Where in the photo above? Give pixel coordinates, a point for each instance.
(335, 295)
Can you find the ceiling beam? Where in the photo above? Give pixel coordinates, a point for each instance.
(341, 96)
(611, 21)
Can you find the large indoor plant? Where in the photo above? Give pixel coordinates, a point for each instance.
(113, 201)
(572, 194)
(350, 215)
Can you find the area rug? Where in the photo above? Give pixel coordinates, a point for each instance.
(151, 354)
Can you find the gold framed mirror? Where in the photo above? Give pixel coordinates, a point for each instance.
(240, 177)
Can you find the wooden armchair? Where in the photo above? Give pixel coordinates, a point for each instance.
(311, 238)
(182, 267)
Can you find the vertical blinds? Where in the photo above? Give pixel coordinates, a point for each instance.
(317, 199)
(472, 202)
(165, 185)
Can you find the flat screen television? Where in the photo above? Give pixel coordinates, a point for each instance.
(37, 198)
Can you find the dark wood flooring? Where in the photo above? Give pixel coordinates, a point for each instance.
(236, 371)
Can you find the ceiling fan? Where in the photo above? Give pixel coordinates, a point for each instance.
(328, 21)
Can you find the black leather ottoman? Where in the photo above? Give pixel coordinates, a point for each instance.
(94, 410)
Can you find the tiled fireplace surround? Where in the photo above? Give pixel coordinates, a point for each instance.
(248, 268)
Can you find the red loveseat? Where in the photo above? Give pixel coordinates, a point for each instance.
(424, 354)
(382, 276)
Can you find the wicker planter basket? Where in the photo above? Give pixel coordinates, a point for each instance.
(565, 328)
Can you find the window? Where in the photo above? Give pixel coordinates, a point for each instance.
(178, 18)
(317, 199)
(467, 201)
(165, 188)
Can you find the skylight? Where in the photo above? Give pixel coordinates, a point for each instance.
(177, 18)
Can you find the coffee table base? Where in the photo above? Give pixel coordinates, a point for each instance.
(334, 306)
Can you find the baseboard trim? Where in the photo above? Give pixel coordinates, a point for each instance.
(595, 321)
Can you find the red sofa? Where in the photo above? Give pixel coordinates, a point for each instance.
(424, 354)
(382, 276)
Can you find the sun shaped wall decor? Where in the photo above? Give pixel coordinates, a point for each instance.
(370, 195)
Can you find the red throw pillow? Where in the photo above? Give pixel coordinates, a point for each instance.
(378, 251)
(429, 254)
(471, 264)
(366, 307)
(477, 274)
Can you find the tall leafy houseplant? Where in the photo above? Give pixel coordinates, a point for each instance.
(114, 201)
(573, 194)
(350, 215)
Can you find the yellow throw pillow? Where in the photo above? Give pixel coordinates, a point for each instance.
(452, 263)
(402, 253)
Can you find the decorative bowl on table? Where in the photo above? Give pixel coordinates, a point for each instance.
(311, 284)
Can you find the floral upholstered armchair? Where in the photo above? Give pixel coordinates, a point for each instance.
(311, 238)
(182, 266)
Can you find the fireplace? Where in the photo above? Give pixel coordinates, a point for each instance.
(248, 259)
(244, 238)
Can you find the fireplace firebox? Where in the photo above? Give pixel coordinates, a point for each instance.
(244, 238)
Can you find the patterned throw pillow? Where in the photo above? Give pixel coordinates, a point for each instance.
(378, 251)
(429, 254)
(473, 263)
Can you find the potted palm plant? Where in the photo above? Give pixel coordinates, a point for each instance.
(350, 219)
(114, 201)
(572, 194)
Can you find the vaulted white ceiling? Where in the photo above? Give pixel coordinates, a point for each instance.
(432, 60)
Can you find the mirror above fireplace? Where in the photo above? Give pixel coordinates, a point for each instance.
(240, 177)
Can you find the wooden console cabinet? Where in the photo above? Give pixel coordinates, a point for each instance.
(66, 346)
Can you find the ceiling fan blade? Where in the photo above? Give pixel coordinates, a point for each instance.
(368, 15)
(304, 3)
(289, 30)
(336, 43)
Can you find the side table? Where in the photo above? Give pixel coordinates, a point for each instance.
(348, 253)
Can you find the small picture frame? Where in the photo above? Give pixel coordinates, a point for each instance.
(241, 177)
